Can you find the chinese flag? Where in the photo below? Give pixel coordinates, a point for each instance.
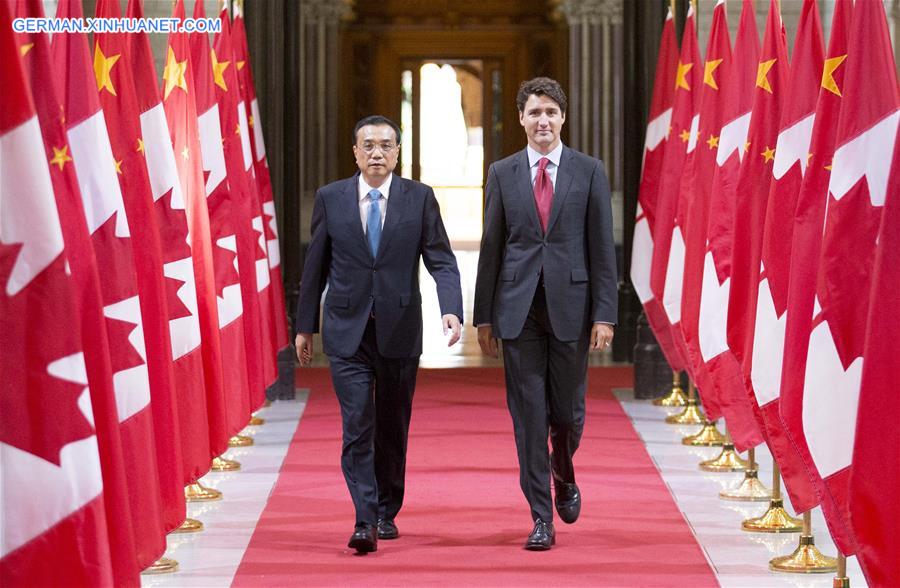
(115, 83)
(694, 198)
(209, 72)
(53, 526)
(238, 160)
(723, 368)
(668, 245)
(178, 266)
(866, 136)
(809, 217)
(657, 139)
(181, 114)
(792, 157)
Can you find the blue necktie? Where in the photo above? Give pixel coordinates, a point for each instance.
(373, 223)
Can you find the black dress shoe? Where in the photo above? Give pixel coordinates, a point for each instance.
(364, 538)
(567, 501)
(387, 529)
(542, 537)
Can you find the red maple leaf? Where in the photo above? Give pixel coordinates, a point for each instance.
(173, 229)
(122, 353)
(220, 226)
(39, 412)
(115, 261)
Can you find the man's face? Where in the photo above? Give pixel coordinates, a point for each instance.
(542, 120)
(376, 153)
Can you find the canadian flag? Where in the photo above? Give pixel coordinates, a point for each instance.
(866, 137)
(655, 144)
(97, 171)
(178, 267)
(265, 185)
(113, 72)
(792, 159)
(668, 246)
(694, 199)
(52, 487)
(238, 160)
(221, 200)
(809, 216)
(184, 129)
(724, 370)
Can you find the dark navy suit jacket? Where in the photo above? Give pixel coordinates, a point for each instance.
(577, 253)
(388, 283)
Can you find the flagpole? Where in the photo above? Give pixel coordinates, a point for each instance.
(840, 579)
(727, 461)
(676, 396)
(806, 559)
(750, 489)
(775, 519)
(692, 413)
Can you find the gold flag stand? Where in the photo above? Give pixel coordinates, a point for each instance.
(222, 464)
(163, 565)
(806, 559)
(197, 492)
(692, 413)
(676, 396)
(727, 461)
(240, 441)
(750, 489)
(708, 436)
(775, 519)
(189, 526)
(256, 421)
(841, 580)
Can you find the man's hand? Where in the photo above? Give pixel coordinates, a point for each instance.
(601, 336)
(304, 343)
(487, 341)
(450, 322)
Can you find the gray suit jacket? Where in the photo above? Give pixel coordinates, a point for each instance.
(576, 255)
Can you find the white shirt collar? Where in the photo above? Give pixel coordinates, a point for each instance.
(384, 188)
(554, 156)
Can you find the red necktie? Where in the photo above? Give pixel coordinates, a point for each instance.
(543, 192)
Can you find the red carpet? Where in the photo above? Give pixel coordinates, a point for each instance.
(464, 518)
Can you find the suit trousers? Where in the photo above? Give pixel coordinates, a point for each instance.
(375, 394)
(545, 387)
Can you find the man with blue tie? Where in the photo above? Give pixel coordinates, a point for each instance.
(368, 234)
(546, 287)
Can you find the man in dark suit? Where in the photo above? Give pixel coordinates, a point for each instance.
(546, 286)
(368, 233)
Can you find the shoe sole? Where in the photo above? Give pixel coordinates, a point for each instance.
(362, 546)
(388, 537)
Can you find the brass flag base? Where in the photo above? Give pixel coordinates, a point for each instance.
(774, 520)
(221, 464)
(691, 415)
(727, 461)
(189, 526)
(806, 559)
(749, 490)
(676, 396)
(240, 441)
(709, 436)
(256, 421)
(196, 492)
(163, 565)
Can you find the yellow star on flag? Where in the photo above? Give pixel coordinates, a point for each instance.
(768, 154)
(237, 129)
(219, 68)
(250, 121)
(713, 141)
(140, 145)
(25, 48)
(185, 152)
(681, 75)
(685, 136)
(119, 166)
(173, 74)
(747, 146)
(762, 81)
(808, 158)
(708, 71)
(828, 73)
(102, 67)
(241, 64)
(60, 157)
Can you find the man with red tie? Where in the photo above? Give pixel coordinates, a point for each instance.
(546, 286)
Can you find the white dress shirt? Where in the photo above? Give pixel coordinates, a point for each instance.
(365, 201)
(534, 159)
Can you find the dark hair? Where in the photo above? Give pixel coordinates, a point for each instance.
(376, 120)
(541, 87)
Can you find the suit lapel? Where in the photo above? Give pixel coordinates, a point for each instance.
(396, 206)
(522, 172)
(564, 176)
(350, 206)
